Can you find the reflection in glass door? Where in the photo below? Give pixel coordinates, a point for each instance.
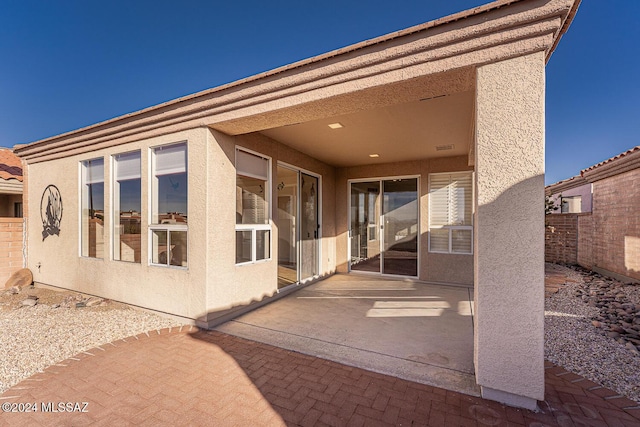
(298, 226)
(309, 226)
(384, 226)
(287, 221)
(400, 231)
(365, 226)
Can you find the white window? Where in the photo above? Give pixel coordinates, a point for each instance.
(169, 214)
(92, 208)
(451, 213)
(126, 207)
(253, 228)
(571, 204)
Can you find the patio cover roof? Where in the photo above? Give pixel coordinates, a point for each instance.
(421, 63)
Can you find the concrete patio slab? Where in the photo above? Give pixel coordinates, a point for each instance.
(404, 328)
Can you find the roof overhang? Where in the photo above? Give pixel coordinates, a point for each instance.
(567, 184)
(426, 61)
(10, 186)
(624, 162)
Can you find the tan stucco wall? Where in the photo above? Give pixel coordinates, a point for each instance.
(176, 291)
(447, 268)
(509, 230)
(232, 286)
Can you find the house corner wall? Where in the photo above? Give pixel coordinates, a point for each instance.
(55, 259)
(509, 231)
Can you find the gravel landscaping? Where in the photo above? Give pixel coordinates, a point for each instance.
(40, 327)
(591, 327)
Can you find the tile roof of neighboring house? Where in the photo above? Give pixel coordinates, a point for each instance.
(10, 165)
(612, 159)
(621, 163)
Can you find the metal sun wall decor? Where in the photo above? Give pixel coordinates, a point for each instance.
(51, 211)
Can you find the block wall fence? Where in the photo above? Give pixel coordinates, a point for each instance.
(607, 240)
(11, 247)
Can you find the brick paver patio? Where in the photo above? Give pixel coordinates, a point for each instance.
(193, 377)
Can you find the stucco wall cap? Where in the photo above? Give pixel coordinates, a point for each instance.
(616, 165)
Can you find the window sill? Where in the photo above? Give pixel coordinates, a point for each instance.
(450, 253)
(173, 267)
(244, 264)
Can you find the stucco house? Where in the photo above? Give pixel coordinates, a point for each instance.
(10, 184)
(417, 154)
(573, 195)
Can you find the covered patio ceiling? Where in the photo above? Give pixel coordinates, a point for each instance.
(428, 128)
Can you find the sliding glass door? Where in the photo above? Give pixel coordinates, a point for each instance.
(309, 226)
(365, 226)
(384, 226)
(298, 226)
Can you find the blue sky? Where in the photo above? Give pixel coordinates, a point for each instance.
(69, 64)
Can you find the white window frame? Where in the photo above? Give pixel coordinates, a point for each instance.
(152, 207)
(115, 202)
(255, 227)
(450, 228)
(566, 205)
(82, 197)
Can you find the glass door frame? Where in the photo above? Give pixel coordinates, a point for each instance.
(300, 171)
(381, 181)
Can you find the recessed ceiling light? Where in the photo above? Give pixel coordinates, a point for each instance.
(335, 125)
(373, 156)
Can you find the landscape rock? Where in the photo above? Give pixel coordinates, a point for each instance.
(632, 348)
(582, 337)
(20, 278)
(93, 301)
(29, 302)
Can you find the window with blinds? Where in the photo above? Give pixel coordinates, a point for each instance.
(253, 229)
(92, 208)
(127, 236)
(451, 213)
(169, 207)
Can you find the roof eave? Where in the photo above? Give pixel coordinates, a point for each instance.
(564, 185)
(155, 116)
(622, 163)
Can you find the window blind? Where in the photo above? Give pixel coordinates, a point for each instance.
(250, 165)
(171, 159)
(450, 199)
(128, 166)
(94, 171)
(450, 213)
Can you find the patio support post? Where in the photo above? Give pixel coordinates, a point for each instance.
(509, 230)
